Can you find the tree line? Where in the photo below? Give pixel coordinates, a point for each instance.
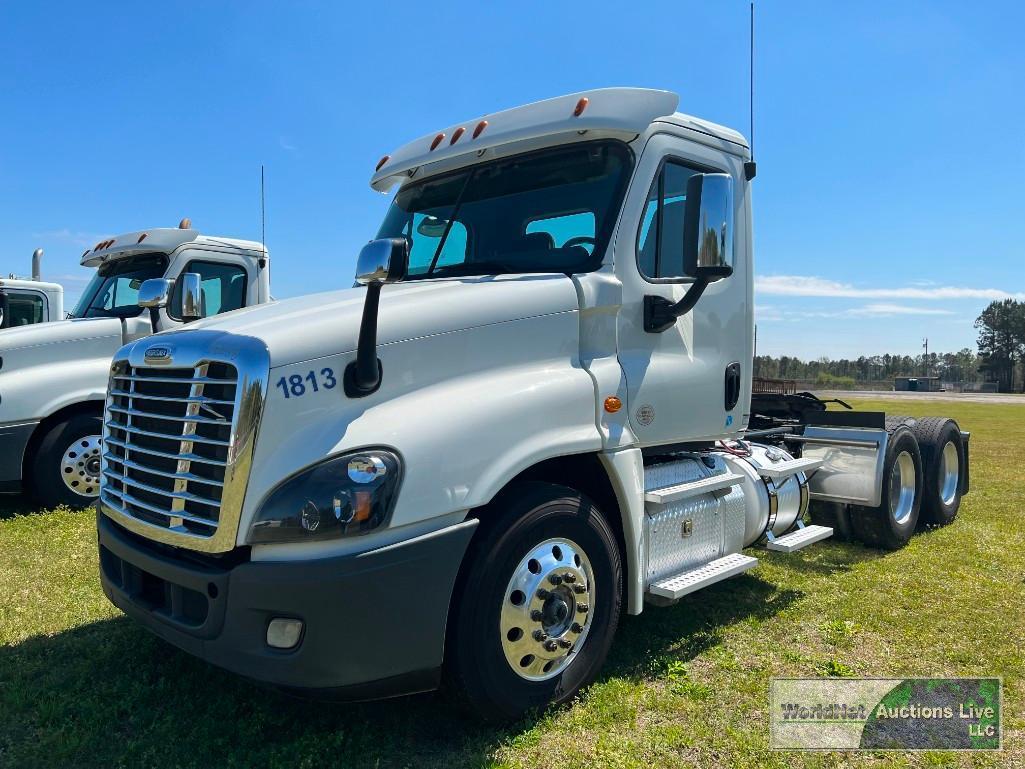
(999, 358)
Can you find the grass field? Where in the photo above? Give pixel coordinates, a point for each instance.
(685, 686)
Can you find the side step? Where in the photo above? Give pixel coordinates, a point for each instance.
(788, 468)
(680, 491)
(795, 540)
(685, 582)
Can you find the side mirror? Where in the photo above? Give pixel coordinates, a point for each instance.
(384, 260)
(708, 227)
(192, 296)
(707, 247)
(381, 261)
(154, 294)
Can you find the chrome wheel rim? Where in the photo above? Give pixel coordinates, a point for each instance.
(950, 467)
(546, 609)
(80, 466)
(902, 487)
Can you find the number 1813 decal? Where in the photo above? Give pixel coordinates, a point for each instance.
(297, 385)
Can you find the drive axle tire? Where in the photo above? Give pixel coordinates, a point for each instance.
(538, 602)
(65, 469)
(835, 515)
(943, 463)
(890, 525)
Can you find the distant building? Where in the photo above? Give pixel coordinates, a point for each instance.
(917, 384)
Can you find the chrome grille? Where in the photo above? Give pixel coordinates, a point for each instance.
(167, 444)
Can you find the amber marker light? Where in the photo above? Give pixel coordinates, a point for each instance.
(613, 404)
(581, 106)
(456, 134)
(437, 140)
(141, 238)
(480, 128)
(382, 161)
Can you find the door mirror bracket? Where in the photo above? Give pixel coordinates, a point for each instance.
(381, 261)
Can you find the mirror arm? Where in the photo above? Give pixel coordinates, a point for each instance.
(363, 375)
(154, 318)
(661, 314)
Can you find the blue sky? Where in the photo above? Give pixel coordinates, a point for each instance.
(888, 205)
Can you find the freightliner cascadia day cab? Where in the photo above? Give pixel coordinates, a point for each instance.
(25, 301)
(53, 376)
(533, 414)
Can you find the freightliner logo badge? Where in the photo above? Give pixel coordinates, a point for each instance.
(158, 355)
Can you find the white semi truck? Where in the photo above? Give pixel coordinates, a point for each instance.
(25, 301)
(532, 414)
(53, 376)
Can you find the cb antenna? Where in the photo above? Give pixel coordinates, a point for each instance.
(263, 221)
(750, 167)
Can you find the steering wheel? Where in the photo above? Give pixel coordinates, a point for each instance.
(580, 240)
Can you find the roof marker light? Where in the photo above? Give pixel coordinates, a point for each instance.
(382, 161)
(480, 128)
(141, 238)
(185, 224)
(437, 141)
(86, 252)
(581, 106)
(456, 134)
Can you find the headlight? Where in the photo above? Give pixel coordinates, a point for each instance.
(344, 496)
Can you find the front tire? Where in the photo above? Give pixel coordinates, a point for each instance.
(890, 525)
(539, 603)
(65, 468)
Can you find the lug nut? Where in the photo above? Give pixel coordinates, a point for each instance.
(540, 635)
(577, 628)
(555, 579)
(542, 593)
(551, 645)
(578, 589)
(565, 643)
(536, 615)
(582, 607)
(569, 577)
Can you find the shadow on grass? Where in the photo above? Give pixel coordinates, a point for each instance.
(109, 693)
(15, 504)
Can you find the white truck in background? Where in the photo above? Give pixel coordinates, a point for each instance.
(26, 301)
(53, 376)
(534, 412)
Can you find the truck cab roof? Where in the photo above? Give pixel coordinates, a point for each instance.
(623, 113)
(164, 240)
(35, 285)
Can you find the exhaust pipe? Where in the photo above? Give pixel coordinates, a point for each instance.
(37, 264)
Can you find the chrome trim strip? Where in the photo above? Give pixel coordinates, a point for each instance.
(193, 348)
(164, 454)
(136, 502)
(176, 380)
(186, 496)
(189, 399)
(166, 436)
(150, 415)
(190, 477)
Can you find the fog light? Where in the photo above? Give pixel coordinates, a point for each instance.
(284, 633)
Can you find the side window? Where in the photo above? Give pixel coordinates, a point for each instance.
(576, 229)
(660, 240)
(24, 309)
(425, 235)
(223, 288)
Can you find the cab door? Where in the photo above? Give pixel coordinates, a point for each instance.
(686, 383)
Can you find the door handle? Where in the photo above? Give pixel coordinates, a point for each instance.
(731, 389)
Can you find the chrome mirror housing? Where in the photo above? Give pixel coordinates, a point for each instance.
(192, 296)
(708, 227)
(155, 293)
(384, 260)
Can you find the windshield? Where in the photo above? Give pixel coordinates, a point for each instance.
(547, 211)
(113, 291)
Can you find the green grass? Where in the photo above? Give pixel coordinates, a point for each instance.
(685, 686)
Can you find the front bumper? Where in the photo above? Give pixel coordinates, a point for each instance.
(374, 622)
(13, 441)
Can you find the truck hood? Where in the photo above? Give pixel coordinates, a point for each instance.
(317, 325)
(77, 330)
